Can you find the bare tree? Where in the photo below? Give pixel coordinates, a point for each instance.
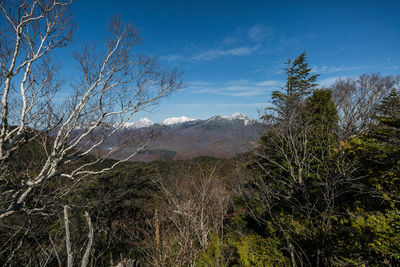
(356, 99)
(68, 242)
(114, 85)
(192, 204)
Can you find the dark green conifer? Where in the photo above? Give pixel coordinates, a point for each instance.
(299, 84)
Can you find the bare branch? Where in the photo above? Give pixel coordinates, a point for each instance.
(70, 258)
(114, 85)
(85, 259)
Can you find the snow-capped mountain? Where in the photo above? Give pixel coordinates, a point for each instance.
(230, 119)
(239, 116)
(177, 120)
(143, 122)
(173, 121)
(183, 137)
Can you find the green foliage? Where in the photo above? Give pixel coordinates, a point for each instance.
(377, 154)
(308, 198)
(214, 255)
(291, 192)
(254, 250)
(388, 115)
(379, 231)
(320, 109)
(239, 250)
(299, 84)
(370, 233)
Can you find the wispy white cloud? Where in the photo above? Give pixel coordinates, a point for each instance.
(210, 54)
(328, 81)
(200, 83)
(229, 40)
(172, 58)
(393, 67)
(243, 42)
(268, 83)
(259, 32)
(236, 88)
(331, 80)
(331, 69)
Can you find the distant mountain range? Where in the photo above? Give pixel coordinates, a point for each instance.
(183, 137)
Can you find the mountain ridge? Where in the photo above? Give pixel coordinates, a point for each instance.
(145, 122)
(185, 138)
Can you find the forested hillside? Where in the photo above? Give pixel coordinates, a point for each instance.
(316, 190)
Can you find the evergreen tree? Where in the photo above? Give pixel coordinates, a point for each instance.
(321, 116)
(294, 186)
(299, 84)
(388, 116)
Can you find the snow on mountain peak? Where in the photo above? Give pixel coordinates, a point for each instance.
(237, 116)
(143, 122)
(176, 120)
(240, 116)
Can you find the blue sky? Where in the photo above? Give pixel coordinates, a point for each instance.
(232, 52)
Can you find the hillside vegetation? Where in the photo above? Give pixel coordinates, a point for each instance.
(320, 188)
